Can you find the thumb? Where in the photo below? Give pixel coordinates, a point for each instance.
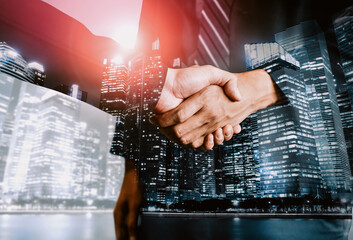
(166, 102)
(231, 89)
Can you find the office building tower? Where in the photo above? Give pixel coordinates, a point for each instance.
(240, 169)
(288, 164)
(6, 120)
(344, 103)
(13, 64)
(343, 26)
(87, 180)
(38, 73)
(50, 172)
(55, 148)
(143, 142)
(307, 44)
(113, 97)
(114, 170)
(204, 172)
(72, 91)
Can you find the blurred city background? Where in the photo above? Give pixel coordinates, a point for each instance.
(58, 152)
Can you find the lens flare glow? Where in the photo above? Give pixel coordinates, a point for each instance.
(126, 36)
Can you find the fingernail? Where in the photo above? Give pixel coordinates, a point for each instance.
(218, 136)
(153, 120)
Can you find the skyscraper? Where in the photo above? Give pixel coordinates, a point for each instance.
(343, 25)
(344, 103)
(50, 172)
(13, 64)
(57, 147)
(240, 166)
(113, 98)
(287, 154)
(143, 142)
(307, 44)
(6, 120)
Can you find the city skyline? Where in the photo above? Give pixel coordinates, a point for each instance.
(287, 147)
(296, 150)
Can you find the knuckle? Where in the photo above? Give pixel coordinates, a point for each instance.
(180, 115)
(178, 132)
(196, 144)
(185, 140)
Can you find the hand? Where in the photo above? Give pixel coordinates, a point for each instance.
(218, 136)
(182, 83)
(127, 207)
(209, 109)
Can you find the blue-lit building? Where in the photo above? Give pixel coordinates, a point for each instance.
(343, 25)
(287, 157)
(240, 167)
(306, 43)
(344, 103)
(13, 64)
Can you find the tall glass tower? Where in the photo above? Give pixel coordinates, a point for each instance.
(306, 42)
(143, 142)
(343, 26)
(288, 164)
(113, 98)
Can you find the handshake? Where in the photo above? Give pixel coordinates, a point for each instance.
(202, 106)
(199, 107)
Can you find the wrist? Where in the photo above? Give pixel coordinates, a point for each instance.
(261, 90)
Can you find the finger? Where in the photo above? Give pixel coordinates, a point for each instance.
(120, 221)
(237, 129)
(189, 131)
(132, 222)
(198, 132)
(198, 143)
(178, 115)
(209, 142)
(228, 132)
(169, 133)
(231, 89)
(218, 136)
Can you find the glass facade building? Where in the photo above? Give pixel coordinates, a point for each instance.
(288, 163)
(13, 64)
(307, 44)
(343, 26)
(57, 147)
(113, 98)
